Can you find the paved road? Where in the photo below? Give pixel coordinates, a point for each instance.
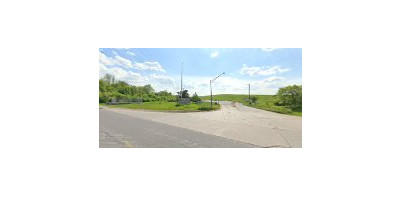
(236, 122)
(120, 131)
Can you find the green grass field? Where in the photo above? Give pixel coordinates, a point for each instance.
(264, 102)
(168, 106)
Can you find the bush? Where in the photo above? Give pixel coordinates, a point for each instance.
(120, 91)
(104, 98)
(290, 96)
(171, 99)
(121, 97)
(253, 99)
(205, 108)
(195, 98)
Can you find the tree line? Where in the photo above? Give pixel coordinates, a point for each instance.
(120, 91)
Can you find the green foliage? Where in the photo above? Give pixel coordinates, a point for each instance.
(122, 88)
(104, 97)
(205, 108)
(195, 98)
(290, 96)
(147, 89)
(164, 93)
(110, 89)
(253, 99)
(185, 94)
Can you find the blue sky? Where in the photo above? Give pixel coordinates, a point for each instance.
(266, 69)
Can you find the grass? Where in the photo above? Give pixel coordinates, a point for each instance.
(264, 102)
(168, 106)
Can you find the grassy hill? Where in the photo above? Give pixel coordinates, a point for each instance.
(264, 102)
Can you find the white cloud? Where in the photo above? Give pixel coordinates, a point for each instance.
(263, 70)
(130, 53)
(201, 85)
(227, 85)
(276, 84)
(269, 49)
(233, 85)
(120, 61)
(163, 82)
(105, 60)
(214, 54)
(124, 75)
(273, 78)
(149, 66)
(162, 79)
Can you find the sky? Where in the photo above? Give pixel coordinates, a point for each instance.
(265, 69)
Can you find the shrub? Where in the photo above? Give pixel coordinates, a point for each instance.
(253, 99)
(290, 96)
(171, 99)
(205, 108)
(195, 98)
(104, 98)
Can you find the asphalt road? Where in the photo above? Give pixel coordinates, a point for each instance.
(122, 131)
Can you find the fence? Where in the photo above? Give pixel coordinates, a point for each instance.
(184, 101)
(117, 101)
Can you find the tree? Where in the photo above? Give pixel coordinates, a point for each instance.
(134, 90)
(122, 87)
(102, 85)
(147, 89)
(164, 93)
(104, 97)
(290, 96)
(195, 98)
(110, 89)
(185, 94)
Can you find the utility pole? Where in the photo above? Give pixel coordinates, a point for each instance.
(249, 93)
(181, 78)
(211, 86)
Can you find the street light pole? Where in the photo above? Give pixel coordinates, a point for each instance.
(211, 93)
(181, 79)
(211, 85)
(249, 93)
